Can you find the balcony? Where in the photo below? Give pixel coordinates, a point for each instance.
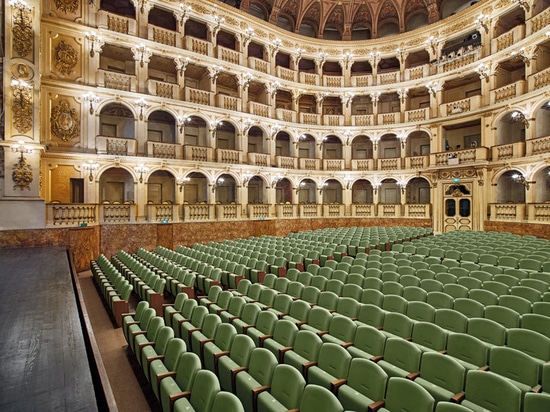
(363, 210)
(286, 74)
(116, 23)
(197, 96)
(258, 65)
(417, 115)
(259, 159)
(539, 80)
(71, 214)
(333, 81)
(388, 119)
(198, 212)
(198, 46)
(538, 212)
(362, 164)
(508, 39)
(164, 150)
(417, 162)
(228, 212)
(389, 210)
(333, 120)
(539, 22)
(333, 164)
(163, 36)
(417, 211)
(310, 79)
(233, 157)
(362, 120)
(309, 164)
(309, 210)
(162, 213)
(511, 212)
(259, 109)
(460, 106)
(417, 73)
(163, 89)
(462, 58)
(257, 211)
(310, 118)
(228, 55)
(389, 164)
(537, 146)
(125, 213)
(226, 102)
(457, 157)
(116, 146)
(508, 151)
(286, 162)
(198, 153)
(286, 115)
(507, 92)
(333, 210)
(116, 81)
(388, 78)
(366, 80)
(286, 211)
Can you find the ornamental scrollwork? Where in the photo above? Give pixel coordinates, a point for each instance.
(22, 175)
(66, 6)
(65, 58)
(22, 30)
(64, 121)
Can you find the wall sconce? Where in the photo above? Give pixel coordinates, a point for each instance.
(245, 79)
(182, 121)
(300, 186)
(483, 71)
(246, 178)
(92, 99)
(22, 173)
(321, 141)
(22, 149)
(322, 188)
(248, 35)
(375, 96)
(300, 139)
(401, 54)
(375, 187)
(181, 64)
(320, 97)
(21, 92)
(298, 56)
(181, 181)
(483, 21)
(247, 124)
(219, 21)
(141, 169)
(273, 87)
(373, 58)
(213, 71)
(403, 186)
(347, 59)
(524, 4)
(275, 128)
(96, 42)
(521, 54)
(275, 46)
(402, 93)
(142, 54)
(275, 180)
(142, 104)
(183, 16)
(348, 180)
(433, 88)
(219, 182)
(432, 43)
(91, 167)
(347, 137)
(321, 58)
(519, 178)
(518, 116)
(347, 98)
(22, 27)
(403, 140)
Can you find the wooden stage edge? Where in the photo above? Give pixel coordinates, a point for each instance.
(104, 394)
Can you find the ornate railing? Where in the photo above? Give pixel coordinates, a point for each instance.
(389, 210)
(362, 164)
(417, 115)
(259, 109)
(197, 153)
(417, 210)
(198, 96)
(161, 35)
(286, 211)
(228, 212)
(258, 211)
(508, 211)
(198, 212)
(538, 146)
(71, 214)
(164, 150)
(259, 159)
(163, 213)
(228, 156)
(363, 210)
(228, 55)
(124, 213)
(309, 210)
(538, 212)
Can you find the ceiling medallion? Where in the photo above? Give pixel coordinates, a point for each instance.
(22, 175)
(66, 6)
(64, 121)
(65, 58)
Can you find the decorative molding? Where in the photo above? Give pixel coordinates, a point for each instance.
(65, 58)
(22, 29)
(65, 124)
(66, 6)
(22, 175)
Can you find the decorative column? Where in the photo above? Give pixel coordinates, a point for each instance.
(345, 63)
(374, 58)
(181, 65)
(142, 56)
(94, 45)
(435, 90)
(142, 16)
(403, 94)
(375, 96)
(182, 16)
(401, 54)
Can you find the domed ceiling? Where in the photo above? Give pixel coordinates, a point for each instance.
(350, 19)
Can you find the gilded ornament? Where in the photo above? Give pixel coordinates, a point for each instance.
(22, 175)
(22, 34)
(65, 124)
(65, 58)
(21, 107)
(66, 6)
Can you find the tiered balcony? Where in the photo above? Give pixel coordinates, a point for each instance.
(198, 46)
(388, 78)
(228, 212)
(256, 212)
(389, 210)
(198, 153)
(389, 164)
(418, 211)
(507, 92)
(309, 210)
(286, 211)
(511, 212)
(162, 213)
(309, 79)
(259, 109)
(417, 162)
(460, 106)
(540, 145)
(309, 164)
(198, 212)
(362, 164)
(117, 146)
(164, 150)
(457, 157)
(539, 22)
(363, 210)
(116, 81)
(310, 118)
(125, 213)
(233, 157)
(333, 81)
(508, 151)
(333, 120)
(539, 80)
(71, 214)
(508, 39)
(163, 36)
(197, 96)
(417, 73)
(114, 22)
(362, 120)
(226, 102)
(388, 119)
(333, 210)
(258, 65)
(366, 80)
(163, 89)
(259, 159)
(229, 55)
(417, 115)
(286, 115)
(286, 162)
(333, 165)
(538, 212)
(286, 74)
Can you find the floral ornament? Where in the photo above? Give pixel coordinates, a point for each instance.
(22, 175)
(65, 58)
(65, 124)
(67, 6)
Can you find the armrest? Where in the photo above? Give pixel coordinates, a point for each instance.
(202, 343)
(282, 352)
(263, 338)
(303, 322)
(413, 375)
(256, 392)
(267, 307)
(217, 356)
(377, 358)
(346, 344)
(152, 358)
(139, 332)
(234, 373)
(536, 389)
(129, 314)
(459, 397)
(306, 366)
(409, 339)
(232, 318)
(144, 344)
(281, 315)
(175, 396)
(322, 332)
(246, 327)
(375, 406)
(484, 368)
(218, 311)
(334, 385)
(443, 352)
(180, 321)
(331, 310)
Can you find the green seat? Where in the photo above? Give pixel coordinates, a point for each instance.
(368, 342)
(489, 391)
(507, 280)
(445, 278)
(365, 385)
(469, 307)
(353, 291)
(440, 300)
(536, 322)
(205, 388)
(421, 311)
(456, 290)
(341, 331)
(281, 339)
(488, 331)
(371, 315)
(485, 297)
(431, 285)
(332, 365)
(311, 294)
(306, 349)
(398, 324)
(281, 305)
(518, 367)
(468, 350)
(163, 366)
(199, 337)
(532, 295)
(265, 324)
(144, 338)
(261, 366)
(188, 366)
(395, 303)
(248, 317)
(316, 398)
(451, 407)
(285, 391)
(516, 303)
(234, 309)
(135, 318)
(298, 313)
(429, 336)
(348, 307)
(318, 321)
(536, 402)
(237, 359)
(226, 402)
(401, 357)
(404, 395)
(156, 348)
(505, 316)
(442, 376)
(221, 345)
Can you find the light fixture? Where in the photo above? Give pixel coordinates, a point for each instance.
(300, 186)
(519, 178)
(182, 121)
(321, 58)
(347, 98)
(275, 128)
(181, 181)
(142, 54)
(22, 173)
(322, 187)
(521, 55)
(213, 71)
(402, 93)
(321, 141)
(181, 64)
(246, 178)
(273, 87)
(432, 43)
(483, 21)
(375, 96)
(375, 140)
(183, 16)
(298, 55)
(249, 34)
(347, 59)
(518, 116)
(373, 58)
(96, 42)
(275, 46)
(141, 169)
(142, 104)
(92, 99)
(403, 139)
(403, 186)
(348, 180)
(524, 4)
(219, 21)
(219, 182)
(483, 71)
(347, 137)
(375, 187)
(401, 54)
(21, 92)
(22, 149)
(91, 167)
(300, 139)
(433, 87)
(247, 124)
(275, 180)
(245, 79)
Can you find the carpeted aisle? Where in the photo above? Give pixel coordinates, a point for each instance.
(129, 385)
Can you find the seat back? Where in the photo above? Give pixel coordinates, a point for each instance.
(226, 401)
(403, 354)
(342, 328)
(405, 395)
(319, 318)
(316, 398)
(205, 387)
(398, 324)
(468, 349)
(492, 392)
(505, 316)
(348, 307)
(250, 313)
(517, 303)
(367, 378)
(421, 311)
(440, 300)
(530, 342)
(265, 322)
(443, 371)
(487, 330)
(188, 366)
(371, 315)
(287, 386)
(515, 365)
(429, 336)
(334, 360)
(369, 340)
(262, 365)
(307, 344)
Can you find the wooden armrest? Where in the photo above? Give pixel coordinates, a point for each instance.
(175, 396)
(281, 315)
(379, 327)
(409, 339)
(152, 358)
(267, 307)
(306, 366)
(263, 338)
(375, 406)
(282, 352)
(221, 310)
(413, 375)
(246, 327)
(218, 355)
(144, 344)
(322, 332)
(346, 344)
(129, 314)
(443, 352)
(334, 385)
(300, 323)
(377, 358)
(256, 392)
(161, 376)
(232, 318)
(331, 310)
(139, 332)
(484, 368)
(194, 330)
(536, 389)
(459, 397)
(234, 373)
(180, 321)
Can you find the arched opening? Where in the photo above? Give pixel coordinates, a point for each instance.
(161, 186)
(116, 186)
(332, 147)
(542, 194)
(511, 128)
(283, 191)
(542, 121)
(256, 140)
(511, 187)
(256, 190)
(282, 144)
(389, 147)
(225, 136)
(161, 127)
(389, 192)
(307, 192)
(226, 189)
(361, 148)
(196, 132)
(116, 120)
(418, 191)
(418, 144)
(306, 146)
(332, 192)
(362, 192)
(196, 189)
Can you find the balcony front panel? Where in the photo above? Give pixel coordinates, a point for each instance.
(309, 210)
(309, 79)
(198, 153)
(388, 78)
(116, 23)
(333, 81)
(508, 151)
(285, 115)
(286, 74)
(460, 106)
(286, 162)
(508, 39)
(309, 164)
(226, 102)
(256, 212)
(197, 96)
(116, 146)
(259, 159)
(233, 157)
(389, 210)
(507, 92)
(333, 165)
(539, 80)
(163, 89)
(228, 212)
(258, 64)
(198, 46)
(363, 210)
(538, 212)
(540, 145)
(539, 22)
(417, 211)
(510, 212)
(417, 115)
(362, 120)
(162, 36)
(362, 164)
(116, 81)
(162, 213)
(460, 59)
(457, 157)
(198, 212)
(417, 73)
(388, 119)
(335, 210)
(286, 211)
(417, 162)
(259, 109)
(362, 81)
(389, 164)
(117, 213)
(71, 214)
(333, 120)
(164, 150)
(310, 118)
(228, 55)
